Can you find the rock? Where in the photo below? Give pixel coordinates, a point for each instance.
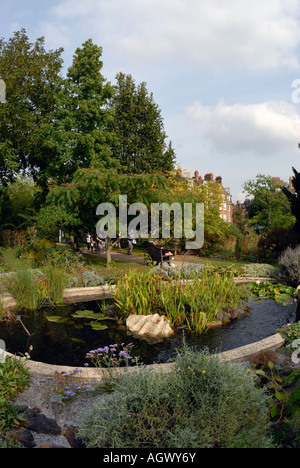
(149, 327)
(37, 422)
(70, 435)
(22, 436)
(49, 446)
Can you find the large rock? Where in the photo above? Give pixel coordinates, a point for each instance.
(152, 328)
(35, 421)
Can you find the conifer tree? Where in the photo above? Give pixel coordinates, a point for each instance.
(141, 139)
(82, 117)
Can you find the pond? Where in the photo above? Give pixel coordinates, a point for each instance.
(67, 343)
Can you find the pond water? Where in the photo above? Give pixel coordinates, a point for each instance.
(68, 342)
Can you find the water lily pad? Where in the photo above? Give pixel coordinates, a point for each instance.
(98, 326)
(89, 314)
(283, 298)
(77, 340)
(56, 319)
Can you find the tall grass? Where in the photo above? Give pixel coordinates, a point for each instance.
(194, 303)
(32, 290)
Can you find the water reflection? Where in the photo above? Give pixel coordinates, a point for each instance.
(67, 342)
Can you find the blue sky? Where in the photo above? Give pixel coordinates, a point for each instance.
(221, 71)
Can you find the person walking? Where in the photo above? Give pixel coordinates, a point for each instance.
(88, 240)
(131, 241)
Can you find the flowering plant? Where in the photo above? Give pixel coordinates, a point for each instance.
(111, 357)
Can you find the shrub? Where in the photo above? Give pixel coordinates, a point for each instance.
(14, 378)
(261, 270)
(91, 279)
(289, 263)
(202, 403)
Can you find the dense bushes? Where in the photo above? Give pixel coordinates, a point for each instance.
(289, 263)
(203, 403)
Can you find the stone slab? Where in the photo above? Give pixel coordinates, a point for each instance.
(241, 354)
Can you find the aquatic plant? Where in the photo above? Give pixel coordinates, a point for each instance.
(194, 303)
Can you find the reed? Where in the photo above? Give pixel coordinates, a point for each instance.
(31, 290)
(194, 303)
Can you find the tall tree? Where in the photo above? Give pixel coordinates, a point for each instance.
(141, 139)
(269, 208)
(90, 187)
(294, 198)
(32, 79)
(81, 120)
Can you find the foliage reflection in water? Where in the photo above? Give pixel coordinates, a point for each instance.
(65, 335)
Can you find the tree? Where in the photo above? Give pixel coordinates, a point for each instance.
(81, 137)
(294, 198)
(269, 208)
(210, 194)
(137, 122)
(32, 79)
(20, 199)
(91, 187)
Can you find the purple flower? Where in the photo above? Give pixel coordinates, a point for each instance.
(69, 394)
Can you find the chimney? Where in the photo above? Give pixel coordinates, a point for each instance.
(219, 180)
(209, 176)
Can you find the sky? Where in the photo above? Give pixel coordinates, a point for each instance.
(225, 73)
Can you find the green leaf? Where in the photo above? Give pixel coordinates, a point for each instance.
(271, 365)
(98, 326)
(89, 314)
(273, 411)
(281, 298)
(261, 373)
(56, 319)
(280, 396)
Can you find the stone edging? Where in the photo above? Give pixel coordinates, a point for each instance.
(241, 354)
(99, 292)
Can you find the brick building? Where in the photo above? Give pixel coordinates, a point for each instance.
(226, 208)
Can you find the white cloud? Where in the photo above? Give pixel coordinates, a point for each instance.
(262, 129)
(256, 35)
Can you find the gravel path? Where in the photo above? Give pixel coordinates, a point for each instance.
(66, 414)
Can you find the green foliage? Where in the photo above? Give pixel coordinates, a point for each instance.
(203, 403)
(284, 404)
(269, 208)
(141, 140)
(31, 290)
(289, 263)
(32, 78)
(291, 333)
(185, 272)
(294, 198)
(260, 270)
(81, 136)
(14, 379)
(194, 303)
(277, 292)
(92, 279)
(51, 218)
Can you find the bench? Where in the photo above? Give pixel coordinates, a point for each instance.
(156, 255)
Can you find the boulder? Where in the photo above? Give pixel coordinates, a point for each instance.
(152, 328)
(35, 421)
